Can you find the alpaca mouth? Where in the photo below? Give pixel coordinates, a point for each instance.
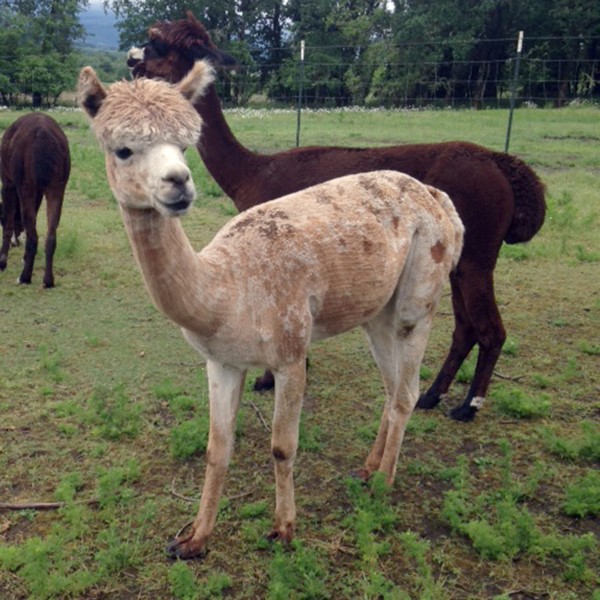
(137, 68)
(177, 208)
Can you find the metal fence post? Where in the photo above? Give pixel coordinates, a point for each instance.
(300, 84)
(513, 92)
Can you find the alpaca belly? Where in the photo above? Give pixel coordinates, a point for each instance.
(254, 345)
(339, 317)
(216, 350)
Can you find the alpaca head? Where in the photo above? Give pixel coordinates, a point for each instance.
(172, 49)
(144, 127)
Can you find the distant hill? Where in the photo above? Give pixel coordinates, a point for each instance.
(100, 27)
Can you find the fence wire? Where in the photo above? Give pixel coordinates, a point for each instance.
(553, 72)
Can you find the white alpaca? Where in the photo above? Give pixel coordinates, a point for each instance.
(372, 250)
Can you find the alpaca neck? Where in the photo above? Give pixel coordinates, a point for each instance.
(226, 159)
(173, 272)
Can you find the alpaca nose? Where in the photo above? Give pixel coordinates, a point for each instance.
(177, 178)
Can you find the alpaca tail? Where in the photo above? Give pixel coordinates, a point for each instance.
(530, 203)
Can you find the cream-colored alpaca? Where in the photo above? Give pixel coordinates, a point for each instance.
(372, 250)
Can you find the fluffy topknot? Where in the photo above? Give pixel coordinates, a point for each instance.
(144, 111)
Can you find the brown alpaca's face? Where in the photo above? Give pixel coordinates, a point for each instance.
(172, 49)
(146, 61)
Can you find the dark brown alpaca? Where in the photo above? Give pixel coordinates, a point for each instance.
(498, 197)
(35, 162)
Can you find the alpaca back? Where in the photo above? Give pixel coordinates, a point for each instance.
(35, 150)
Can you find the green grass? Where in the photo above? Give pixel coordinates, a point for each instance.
(516, 403)
(501, 527)
(583, 496)
(104, 409)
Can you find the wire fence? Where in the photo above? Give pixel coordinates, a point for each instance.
(553, 72)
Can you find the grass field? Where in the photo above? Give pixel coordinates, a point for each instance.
(103, 410)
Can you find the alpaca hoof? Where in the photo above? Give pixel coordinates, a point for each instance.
(23, 281)
(184, 550)
(361, 474)
(265, 382)
(48, 285)
(284, 537)
(463, 413)
(427, 401)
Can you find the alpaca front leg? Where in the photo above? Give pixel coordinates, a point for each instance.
(225, 385)
(289, 393)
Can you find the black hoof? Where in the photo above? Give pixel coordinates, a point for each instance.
(175, 551)
(276, 537)
(265, 382)
(272, 537)
(428, 401)
(463, 413)
(361, 475)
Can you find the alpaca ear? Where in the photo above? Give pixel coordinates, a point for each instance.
(194, 84)
(90, 93)
(206, 49)
(157, 39)
(216, 56)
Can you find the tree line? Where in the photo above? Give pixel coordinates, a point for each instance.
(39, 57)
(374, 52)
(394, 52)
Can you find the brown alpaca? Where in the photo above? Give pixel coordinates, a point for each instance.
(35, 162)
(371, 250)
(497, 196)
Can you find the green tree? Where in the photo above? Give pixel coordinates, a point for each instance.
(472, 40)
(575, 27)
(44, 77)
(13, 45)
(251, 30)
(36, 44)
(389, 52)
(54, 24)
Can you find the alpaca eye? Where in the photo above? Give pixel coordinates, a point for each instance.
(160, 47)
(123, 153)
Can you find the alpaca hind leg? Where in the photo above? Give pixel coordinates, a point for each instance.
(54, 199)
(10, 203)
(265, 382)
(463, 340)
(398, 352)
(225, 385)
(289, 394)
(478, 293)
(30, 199)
